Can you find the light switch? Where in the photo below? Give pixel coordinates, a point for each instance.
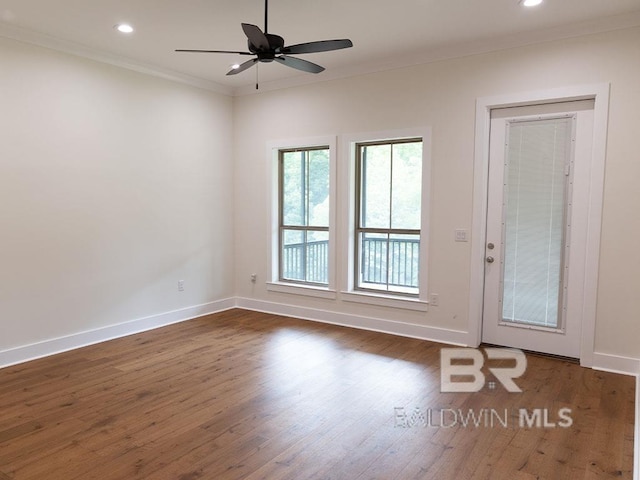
(462, 235)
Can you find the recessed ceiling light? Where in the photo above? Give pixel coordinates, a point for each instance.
(124, 28)
(531, 3)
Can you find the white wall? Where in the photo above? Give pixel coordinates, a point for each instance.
(113, 186)
(442, 95)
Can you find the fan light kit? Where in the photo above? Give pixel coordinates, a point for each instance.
(531, 3)
(124, 28)
(267, 47)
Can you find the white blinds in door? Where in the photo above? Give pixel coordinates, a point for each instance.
(537, 155)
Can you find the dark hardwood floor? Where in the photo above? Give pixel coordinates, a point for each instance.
(245, 395)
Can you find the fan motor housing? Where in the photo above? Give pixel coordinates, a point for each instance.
(266, 56)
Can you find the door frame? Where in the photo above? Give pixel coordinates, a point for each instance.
(600, 94)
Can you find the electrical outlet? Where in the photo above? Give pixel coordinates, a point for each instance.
(254, 277)
(181, 285)
(434, 299)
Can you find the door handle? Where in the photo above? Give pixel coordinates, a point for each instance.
(490, 259)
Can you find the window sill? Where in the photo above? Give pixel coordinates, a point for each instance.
(306, 290)
(386, 300)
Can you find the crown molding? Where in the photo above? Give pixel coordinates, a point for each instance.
(47, 41)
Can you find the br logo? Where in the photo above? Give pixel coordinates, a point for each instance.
(471, 368)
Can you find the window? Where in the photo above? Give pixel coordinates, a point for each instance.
(303, 231)
(388, 216)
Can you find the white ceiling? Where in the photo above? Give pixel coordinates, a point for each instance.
(385, 34)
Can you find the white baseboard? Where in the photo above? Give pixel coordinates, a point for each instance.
(422, 332)
(616, 364)
(82, 339)
(601, 361)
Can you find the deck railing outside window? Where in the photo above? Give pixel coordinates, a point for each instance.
(403, 257)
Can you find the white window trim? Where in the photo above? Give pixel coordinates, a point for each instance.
(273, 283)
(302, 289)
(347, 190)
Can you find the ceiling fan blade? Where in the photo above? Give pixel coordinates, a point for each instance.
(242, 67)
(320, 46)
(299, 64)
(255, 36)
(214, 51)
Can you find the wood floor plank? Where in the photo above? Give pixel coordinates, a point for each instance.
(607, 451)
(245, 395)
(54, 438)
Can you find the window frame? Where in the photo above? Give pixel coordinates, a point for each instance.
(302, 228)
(358, 220)
(347, 189)
(274, 282)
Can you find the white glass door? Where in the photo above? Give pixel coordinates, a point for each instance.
(530, 228)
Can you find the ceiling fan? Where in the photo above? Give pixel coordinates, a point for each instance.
(268, 47)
